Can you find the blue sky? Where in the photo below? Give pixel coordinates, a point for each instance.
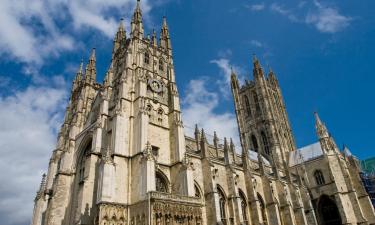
(321, 51)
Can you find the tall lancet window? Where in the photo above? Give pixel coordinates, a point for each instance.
(243, 207)
(82, 162)
(256, 102)
(319, 178)
(147, 58)
(254, 143)
(266, 144)
(161, 183)
(263, 209)
(222, 205)
(247, 106)
(161, 65)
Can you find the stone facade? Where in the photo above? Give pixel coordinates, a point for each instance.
(122, 156)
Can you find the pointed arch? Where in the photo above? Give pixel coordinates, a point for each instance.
(161, 182)
(222, 204)
(263, 209)
(328, 212)
(247, 106)
(243, 205)
(256, 102)
(146, 57)
(197, 190)
(265, 141)
(82, 153)
(161, 64)
(254, 143)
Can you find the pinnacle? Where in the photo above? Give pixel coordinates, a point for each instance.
(93, 56)
(80, 69)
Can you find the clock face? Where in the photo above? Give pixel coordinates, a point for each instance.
(155, 85)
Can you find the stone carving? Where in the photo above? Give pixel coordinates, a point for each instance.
(110, 213)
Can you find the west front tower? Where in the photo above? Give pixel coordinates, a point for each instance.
(125, 161)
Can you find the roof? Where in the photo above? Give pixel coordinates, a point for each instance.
(305, 154)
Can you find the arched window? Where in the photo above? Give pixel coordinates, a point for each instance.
(263, 209)
(266, 144)
(254, 142)
(161, 183)
(243, 206)
(147, 58)
(319, 178)
(161, 65)
(82, 162)
(256, 101)
(197, 191)
(247, 106)
(222, 204)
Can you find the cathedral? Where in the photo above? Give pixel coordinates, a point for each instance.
(123, 157)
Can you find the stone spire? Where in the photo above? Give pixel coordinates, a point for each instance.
(216, 144)
(232, 149)
(120, 36)
(165, 41)
(326, 141)
(257, 69)
(321, 129)
(203, 136)
(234, 79)
(90, 75)
(154, 41)
(216, 140)
(272, 78)
(79, 76)
(226, 152)
(203, 145)
(136, 23)
(42, 187)
(197, 136)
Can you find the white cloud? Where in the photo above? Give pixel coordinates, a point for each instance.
(327, 19)
(256, 43)
(30, 119)
(226, 68)
(34, 30)
(275, 7)
(204, 100)
(199, 107)
(256, 7)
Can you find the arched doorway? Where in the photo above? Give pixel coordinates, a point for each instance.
(328, 211)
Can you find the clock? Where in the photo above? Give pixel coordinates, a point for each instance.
(155, 85)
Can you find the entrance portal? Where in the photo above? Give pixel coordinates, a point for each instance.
(328, 211)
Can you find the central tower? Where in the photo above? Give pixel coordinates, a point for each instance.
(261, 116)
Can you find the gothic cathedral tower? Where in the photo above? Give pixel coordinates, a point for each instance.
(122, 145)
(261, 115)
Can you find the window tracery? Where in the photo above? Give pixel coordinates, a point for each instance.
(266, 144)
(247, 106)
(147, 58)
(263, 209)
(256, 102)
(161, 183)
(222, 204)
(254, 143)
(319, 177)
(161, 65)
(82, 163)
(243, 206)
